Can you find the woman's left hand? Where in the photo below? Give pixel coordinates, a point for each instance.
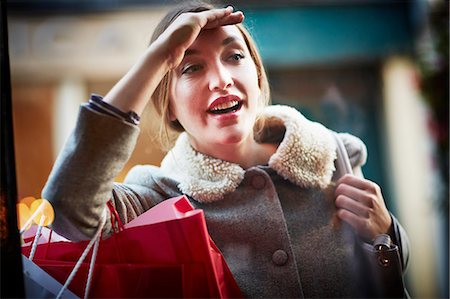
(361, 204)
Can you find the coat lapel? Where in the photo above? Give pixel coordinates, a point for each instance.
(305, 156)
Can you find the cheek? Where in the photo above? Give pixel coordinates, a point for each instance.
(177, 93)
(182, 99)
(185, 89)
(250, 79)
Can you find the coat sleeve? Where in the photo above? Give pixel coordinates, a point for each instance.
(400, 238)
(81, 181)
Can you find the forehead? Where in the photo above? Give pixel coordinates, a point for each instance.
(216, 36)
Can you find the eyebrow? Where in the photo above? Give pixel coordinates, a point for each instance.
(225, 42)
(230, 40)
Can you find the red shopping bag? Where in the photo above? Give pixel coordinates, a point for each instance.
(165, 252)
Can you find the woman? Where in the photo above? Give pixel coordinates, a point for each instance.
(262, 175)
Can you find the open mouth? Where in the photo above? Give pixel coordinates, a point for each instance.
(231, 106)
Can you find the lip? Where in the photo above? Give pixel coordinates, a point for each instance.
(223, 99)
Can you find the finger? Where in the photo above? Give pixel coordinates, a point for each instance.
(215, 14)
(358, 223)
(359, 183)
(234, 18)
(347, 203)
(223, 17)
(356, 194)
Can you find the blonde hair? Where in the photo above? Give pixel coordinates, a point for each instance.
(160, 97)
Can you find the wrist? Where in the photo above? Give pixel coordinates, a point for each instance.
(159, 52)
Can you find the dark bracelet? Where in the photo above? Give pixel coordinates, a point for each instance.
(96, 102)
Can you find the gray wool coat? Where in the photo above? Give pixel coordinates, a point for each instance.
(274, 224)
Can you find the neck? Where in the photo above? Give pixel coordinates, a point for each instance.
(246, 154)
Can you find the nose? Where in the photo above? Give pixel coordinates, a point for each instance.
(220, 78)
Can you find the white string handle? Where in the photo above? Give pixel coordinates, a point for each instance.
(38, 210)
(91, 268)
(96, 238)
(343, 161)
(36, 238)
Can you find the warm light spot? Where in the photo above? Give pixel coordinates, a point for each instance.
(42, 208)
(28, 200)
(23, 214)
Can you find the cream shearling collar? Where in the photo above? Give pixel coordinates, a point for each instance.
(305, 157)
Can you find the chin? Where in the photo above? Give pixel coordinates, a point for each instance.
(231, 138)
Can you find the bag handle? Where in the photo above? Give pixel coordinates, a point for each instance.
(383, 241)
(36, 238)
(94, 241)
(382, 249)
(343, 161)
(114, 217)
(116, 225)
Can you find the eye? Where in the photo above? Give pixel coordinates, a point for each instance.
(236, 57)
(188, 69)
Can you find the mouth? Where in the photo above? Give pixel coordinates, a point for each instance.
(225, 105)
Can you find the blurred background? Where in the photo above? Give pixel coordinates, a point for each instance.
(375, 68)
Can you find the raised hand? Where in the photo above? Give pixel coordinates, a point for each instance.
(177, 38)
(361, 204)
(134, 90)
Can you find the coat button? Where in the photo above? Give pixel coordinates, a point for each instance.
(258, 182)
(279, 257)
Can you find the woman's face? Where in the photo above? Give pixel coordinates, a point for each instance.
(214, 92)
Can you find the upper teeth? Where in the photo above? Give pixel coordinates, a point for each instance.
(225, 105)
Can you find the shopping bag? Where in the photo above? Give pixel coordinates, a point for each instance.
(39, 284)
(165, 252)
